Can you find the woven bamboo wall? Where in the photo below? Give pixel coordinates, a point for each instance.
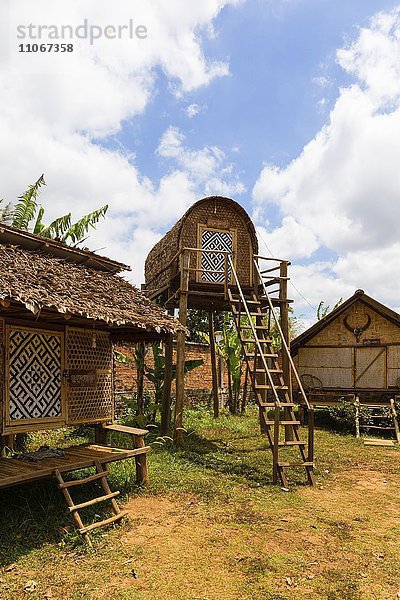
(336, 333)
(215, 212)
(90, 404)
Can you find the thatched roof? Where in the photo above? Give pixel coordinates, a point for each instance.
(41, 281)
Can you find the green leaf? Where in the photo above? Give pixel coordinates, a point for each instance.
(26, 208)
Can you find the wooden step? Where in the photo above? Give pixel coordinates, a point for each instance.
(82, 481)
(93, 501)
(258, 355)
(108, 521)
(270, 370)
(239, 300)
(295, 464)
(259, 386)
(254, 341)
(273, 404)
(269, 422)
(292, 443)
(376, 427)
(255, 327)
(376, 442)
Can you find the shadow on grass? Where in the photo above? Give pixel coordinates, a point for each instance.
(36, 514)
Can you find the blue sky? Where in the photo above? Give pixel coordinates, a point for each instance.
(294, 112)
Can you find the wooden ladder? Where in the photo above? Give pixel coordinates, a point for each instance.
(395, 427)
(272, 394)
(101, 475)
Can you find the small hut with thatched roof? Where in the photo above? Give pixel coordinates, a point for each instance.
(61, 309)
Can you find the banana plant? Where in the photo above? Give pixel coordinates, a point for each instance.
(28, 216)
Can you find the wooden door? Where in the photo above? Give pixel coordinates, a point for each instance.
(370, 367)
(34, 367)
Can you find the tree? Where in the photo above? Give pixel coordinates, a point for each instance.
(323, 309)
(27, 215)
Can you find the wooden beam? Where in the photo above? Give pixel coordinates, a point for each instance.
(166, 398)
(180, 350)
(213, 364)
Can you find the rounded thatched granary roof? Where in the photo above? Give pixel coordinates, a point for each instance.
(215, 213)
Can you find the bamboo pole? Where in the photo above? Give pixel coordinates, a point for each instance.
(213, 364)
(180, 351)
(284, 318)
(166, 398)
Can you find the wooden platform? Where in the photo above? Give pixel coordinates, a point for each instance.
(14, 472)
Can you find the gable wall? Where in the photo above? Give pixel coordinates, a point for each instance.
(336, 333)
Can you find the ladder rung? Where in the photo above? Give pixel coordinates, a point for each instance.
(270, 387)
(237, 300)
(93, 501)
(255, 327)
(296, 464)
(254, 341)
(270, 370)
(82, 481)
(258, 355)
(375, 427)
(282, 422)
(292, 443)
(108, 521)
(273, 404)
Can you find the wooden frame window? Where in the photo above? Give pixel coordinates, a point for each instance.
(213, 239)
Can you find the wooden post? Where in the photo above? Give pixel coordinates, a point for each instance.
(310, 414)
(213, 364)
(100, 435)
(142, 474)
(357, 416)
(284, 318)
(166, 399)
(395, 420)
(246, 384)
(6, 441)
(275, 449)
(180, 350)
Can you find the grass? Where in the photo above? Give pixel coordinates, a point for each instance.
(211, 525)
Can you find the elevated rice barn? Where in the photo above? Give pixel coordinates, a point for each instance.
(209, 260)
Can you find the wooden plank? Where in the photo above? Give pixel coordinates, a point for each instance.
(84, 480)
(108, 521)
(372, 442)
(93, 501)
(80, 457)
(126, 429)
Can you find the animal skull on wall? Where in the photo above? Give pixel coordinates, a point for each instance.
(357, 330)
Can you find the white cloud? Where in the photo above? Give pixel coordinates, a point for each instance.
(322, 81)
(57, 111)
(207, 168)
(343, 190)
(194, 109)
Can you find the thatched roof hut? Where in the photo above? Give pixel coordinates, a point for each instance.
(213, 223)
(61, 308)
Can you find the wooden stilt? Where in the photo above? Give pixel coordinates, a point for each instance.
(310, 444)
(100, 435)
(213, 364)
(142, 474)
(245, 387)
(180, 351)
(166, 399)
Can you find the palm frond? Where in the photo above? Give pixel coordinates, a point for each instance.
(26, 208)
(78, 230)
(57, 228)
